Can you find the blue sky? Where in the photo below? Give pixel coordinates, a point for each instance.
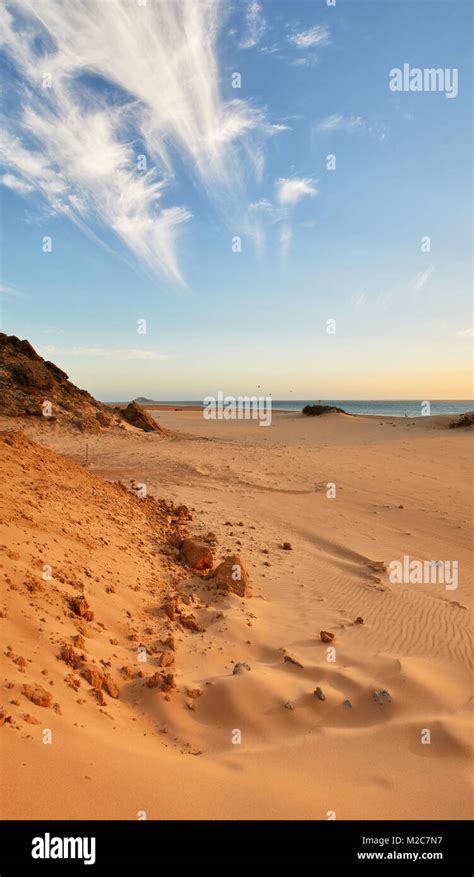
(92, 86)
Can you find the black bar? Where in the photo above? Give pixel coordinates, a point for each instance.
(440, 844)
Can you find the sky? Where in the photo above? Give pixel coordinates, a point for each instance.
(172, 225)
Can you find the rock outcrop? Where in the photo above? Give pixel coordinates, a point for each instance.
(138, 417)
(31, 386)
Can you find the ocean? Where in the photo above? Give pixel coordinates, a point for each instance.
(376, 408)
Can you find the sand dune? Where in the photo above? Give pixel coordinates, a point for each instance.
(401, 489)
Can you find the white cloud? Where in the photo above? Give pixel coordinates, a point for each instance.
(78, 144)
(255, 25)
(315, 36)
(465, 333)
(290, 191)
(103, 352)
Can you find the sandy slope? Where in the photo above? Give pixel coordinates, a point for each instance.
(402, 488)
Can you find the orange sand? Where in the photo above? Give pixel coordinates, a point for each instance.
(402, 488)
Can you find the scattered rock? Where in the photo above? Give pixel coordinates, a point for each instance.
(80, 606)
(359, 620)
(166, 659)
(189, 621)
(194, 692)
(318, 692)
(93, 676)
(289, 705)
(69, 656)
(287, 546)
(170, 643)
(197, 554)
(381, 697)
(4, 717)
(327, 637)
(32, 720)
(377, 566)
(39, 696)
(232, 575)
(139, 417)
(347, 703)
(288, 660)
(239, 667)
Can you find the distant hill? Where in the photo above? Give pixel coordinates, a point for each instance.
(143, 401)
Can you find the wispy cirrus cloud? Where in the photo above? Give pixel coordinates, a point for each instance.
(125, 81)
(7, 289)
(103, 353)
(350, 125)
(338, 122)
(16, 184)
(420, 280)
(255, 25)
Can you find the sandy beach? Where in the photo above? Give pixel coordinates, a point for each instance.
(400, 489)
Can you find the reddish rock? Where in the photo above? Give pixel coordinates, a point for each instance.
(189, 621)
(165, 681)
(111, 688)
(194, 692)
(166, 659)
(93, 676)
(32, 720)
(69, 656)
(4, 716)
(99, 696)
(232, 576)
(168, 682)
(39, 696)
(80, 606)
(139, 417)
(327, 637)
(170, 643)
(287, 546)
(197, 554)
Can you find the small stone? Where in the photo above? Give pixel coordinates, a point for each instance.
(359, 620)
(287, 546)
(318, 692)
(39, 696)
(194, 692)
(289, 705)
(378, 566)
(239, 667)
(289, 660)
(347, 703)
(327, 636)
(381, 697)
(166, 659)
(197, 554)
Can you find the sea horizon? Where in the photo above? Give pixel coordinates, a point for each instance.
(370, 407)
